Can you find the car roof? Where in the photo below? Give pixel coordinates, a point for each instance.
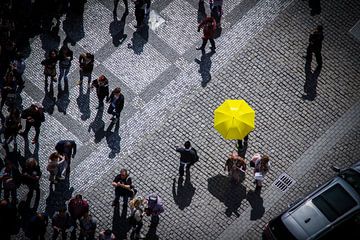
(307, 219)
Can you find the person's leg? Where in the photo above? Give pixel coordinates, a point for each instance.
(309, 55)
(67, 70)
(204, 42)
(63, 234)
(101, 100)
(37, 197)
(29, 195)
(81, 77)
(55, 234)
(116, 200)
(212, 44)
(126, 5)
(181, 169)
(37, 133)
(188, 168)
(73, 232)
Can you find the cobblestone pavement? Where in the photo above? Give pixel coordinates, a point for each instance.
(170, 94)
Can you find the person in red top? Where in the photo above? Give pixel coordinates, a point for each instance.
(209, 27)
(77, 208)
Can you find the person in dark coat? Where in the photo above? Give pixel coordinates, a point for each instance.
(67, 148)
(315, 7)
(209, 27)
(102, 89)
(187, 157)
(31, 174)
(9, 87)
(65, 57)
(34, 116)
(50, 66)
(37, 226)
(12, 125)
(123, 188)
(116, 100)
(77, 208)
(86, 61)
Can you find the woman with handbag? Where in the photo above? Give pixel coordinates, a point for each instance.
(261, 167)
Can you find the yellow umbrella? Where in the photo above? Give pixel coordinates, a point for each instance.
(234, 119)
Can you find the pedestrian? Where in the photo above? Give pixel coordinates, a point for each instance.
(54, 163)
(31, 174)
(12, 125)
(107, 235)
(236, 167)
(216, 11)
(37, 226)
(116, 100)
(77, 208)
(10, 178)
(136, 217)
(50, 66)
(154, 207)
(86, 61)
(8, 89)
(101, 84)
(188, 156)
(123, 188)
(209, 26)
(140, 6)
(87, 227)
(18, 66)
(315, 7)
(34, 116)
(66, 148)
(261, 167)
(116, 2)
(315, 45)
(65, 57)
(61, 223)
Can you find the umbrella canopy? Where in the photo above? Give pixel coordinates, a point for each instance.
(234, 119)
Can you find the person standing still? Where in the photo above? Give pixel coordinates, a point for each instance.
(101, 84)
(34, 116)
(65, 58)
(209, 27)
(315, 45)
(140, 6)
(86, 61)
(187, 157)
(67, 148)
(123, 188)
(116, 100)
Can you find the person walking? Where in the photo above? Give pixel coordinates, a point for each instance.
(117, 101)
(54, 163)
(87, 227)
(101, 84)
(136, 217)
(34, 116)
(209, 27)
(10, 179)
(77, 208)
(236, 167)
(188, 156)
(67, 148)
(86, 61)
(61, 223)
(123, 188)
(65, 57)
(261, 167)
(50, 66)
(37, 226)
(31, 175)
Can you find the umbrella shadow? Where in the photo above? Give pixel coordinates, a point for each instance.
(257, 204)
(113, 138)
(116, 30)
(230, 194)
(98, 126)
(83, 102)
(205, 66)
(63, 100)
(120, 224)
(184, 192)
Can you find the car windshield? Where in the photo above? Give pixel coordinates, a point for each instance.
(279, 230)
(351, 177)
(334, 202)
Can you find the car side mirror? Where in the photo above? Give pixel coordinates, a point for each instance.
(335, 169)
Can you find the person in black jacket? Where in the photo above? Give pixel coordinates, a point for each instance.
(65, 57)
(116, 100)
(123, 188)
(102, 89)
(187, 157)
(86, 61)
(10, 180)
(31, 176)
(12, 125)
(34, 116)
(67, 148)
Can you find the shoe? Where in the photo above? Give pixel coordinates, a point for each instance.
(200, 48)
(212, 48)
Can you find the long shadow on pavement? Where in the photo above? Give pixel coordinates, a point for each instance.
(116, 29)
(120, 226)
(184, 192)
(98, 126)
(205, 66)
(83, 102)
(228, 193)
(113, 138)
(257, 204)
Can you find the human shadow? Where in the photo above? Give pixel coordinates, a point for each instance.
(63, 100)
(49, 100)
(120, 223)
(117, 28)
(139, 39)
(98, 126)
(228, 193)
(256, 202)
(311, 80)
(49, 41)
(113, 138)
(184, 192)
(83, 102)
(73, 25)
(58, 197)
(205, 66)
(201, 13)
(27, 150)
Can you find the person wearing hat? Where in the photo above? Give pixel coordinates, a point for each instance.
(101, 84)
(34, 116)
(116, 101)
